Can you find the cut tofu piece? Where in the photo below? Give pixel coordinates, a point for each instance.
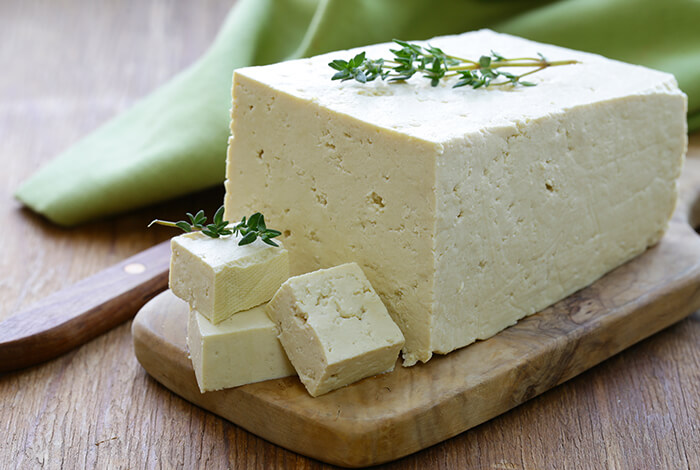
(467, 209)
(218, 278)
(241, 350)
(334, 328)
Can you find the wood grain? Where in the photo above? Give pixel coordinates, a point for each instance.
(71, 317)
(389, 416)
(69, 65)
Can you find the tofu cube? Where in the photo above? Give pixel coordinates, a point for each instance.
(468, 209)
(240, 350)
(218, 278)
(334, 328)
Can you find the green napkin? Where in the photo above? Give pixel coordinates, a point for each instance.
(173, 142)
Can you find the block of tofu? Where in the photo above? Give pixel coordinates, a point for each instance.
(467, 209)
(334, 328)
(218, 278)
(240, 350)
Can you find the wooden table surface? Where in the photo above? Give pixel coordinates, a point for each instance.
(69, 65)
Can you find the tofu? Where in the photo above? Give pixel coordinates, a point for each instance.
(334, 328)
(240, 350)
(218, 278)
(467, 209)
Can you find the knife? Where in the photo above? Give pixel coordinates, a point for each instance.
(88, 308)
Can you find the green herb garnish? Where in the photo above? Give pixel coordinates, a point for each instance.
(253, 228)
(249, 229)
(433, 64)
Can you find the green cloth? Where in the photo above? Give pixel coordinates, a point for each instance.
(173, 142)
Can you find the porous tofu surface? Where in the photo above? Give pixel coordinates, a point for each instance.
(240, 350)
(219, 278)
(467, 209)
(334, 328)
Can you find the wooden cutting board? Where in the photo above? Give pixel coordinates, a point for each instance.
(383, 418)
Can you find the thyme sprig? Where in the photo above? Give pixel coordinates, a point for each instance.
(253, 228)
(435, 65)
(249, 228)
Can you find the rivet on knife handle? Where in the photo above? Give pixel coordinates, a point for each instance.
(88, 308)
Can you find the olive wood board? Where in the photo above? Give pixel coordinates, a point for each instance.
(389, 416)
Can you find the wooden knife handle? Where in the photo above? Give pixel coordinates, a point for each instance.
(75, 315)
